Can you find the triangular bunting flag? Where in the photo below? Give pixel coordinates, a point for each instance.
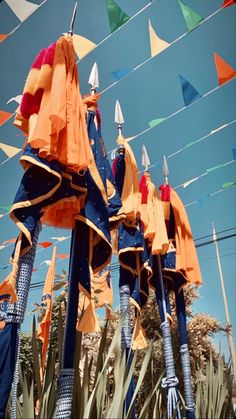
(192, 18)
(60, 239)
(63, 255)
(157, 44)
(155, 122)
(190, 94)
(16, 99)
(9, 241)
(228, 3)
(186, 184)
(228, 184)
(3, 36)
(22, 8)
(117, 17)
(82, 45)
(6, 207)
(224, 71)
(9, 150)
(122, 72)
(45, 244)
(4, 116)
(45, 262)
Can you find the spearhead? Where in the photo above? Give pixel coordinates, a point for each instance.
(93, 78)
(70, 32)
(119, 119)
(145, 159)
(165, 170)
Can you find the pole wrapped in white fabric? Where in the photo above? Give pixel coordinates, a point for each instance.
(188, 392)
(126, 335)
(65, 386)
(16, 311)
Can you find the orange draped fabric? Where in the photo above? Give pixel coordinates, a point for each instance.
(130, 193)
(152, 216)
(59, 129)
(186, 255)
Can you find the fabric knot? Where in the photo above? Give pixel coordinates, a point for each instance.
(168, 382)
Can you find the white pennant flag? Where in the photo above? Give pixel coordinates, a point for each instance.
(156, 43)
(45, 262)
(9, 150)
(185, 184)
(60, 239)
(16, 99)
(22, 8)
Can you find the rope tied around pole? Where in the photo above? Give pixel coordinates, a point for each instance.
(170, 382)
(125, 311)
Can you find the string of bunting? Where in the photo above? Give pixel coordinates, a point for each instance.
(190, 94)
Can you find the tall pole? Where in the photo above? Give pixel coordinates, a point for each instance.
(229, 335)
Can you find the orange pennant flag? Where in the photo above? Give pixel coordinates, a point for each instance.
(224, 71)
(9, 241)
(3, 36)
(4, 116)
(46, 304)
(89, 321)
(139, 341)
(63, 255)
(44, 244)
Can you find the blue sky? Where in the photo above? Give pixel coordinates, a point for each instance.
(150, 91)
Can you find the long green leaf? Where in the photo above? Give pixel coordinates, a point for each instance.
(36, 364)
(140, 379)
(147, 401)
(92, 398)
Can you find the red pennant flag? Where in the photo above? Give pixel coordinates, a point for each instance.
(45, 244)
(4, 116)
(62, 255)
(224, 71)
(3, 36)
(228, 3)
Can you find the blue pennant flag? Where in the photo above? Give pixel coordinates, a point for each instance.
(120, 73)
(190, 94)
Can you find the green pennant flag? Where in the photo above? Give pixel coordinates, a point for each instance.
(211, 169)
(192, 18)
(6, 207)
(117, 17)
(155, 122)
(228, 184)
(188, 145)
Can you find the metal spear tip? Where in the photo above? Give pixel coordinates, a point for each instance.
(119, 119)
(165, 169)
(93, 78)
(145, 158)
(70, 32)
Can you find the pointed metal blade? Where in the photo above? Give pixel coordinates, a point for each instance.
(93, 78)
(145, 159)
(165, 169)
(119, 119)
